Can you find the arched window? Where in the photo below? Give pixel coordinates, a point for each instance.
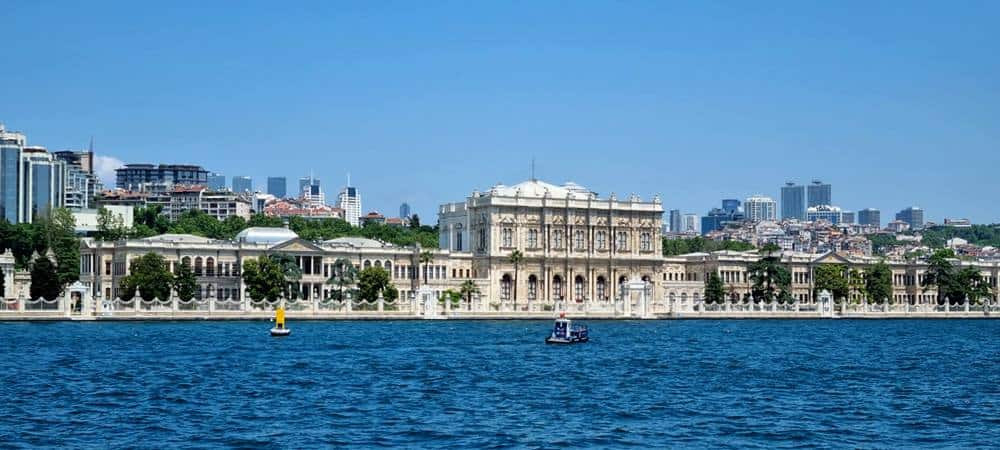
(186, 261)
(621, 241)
(378, 264)
(557, 287)
(601, 240)
(505, 284)
(578, 242)
(578, 288)
(532, 287)
(507, 235)
(532, 238)
(649, 285)
(198, 266)
(557, 239)
(388, 267)
(367, 264)
(210, 267)
(458, 241)
(602, 289)
(645, 242)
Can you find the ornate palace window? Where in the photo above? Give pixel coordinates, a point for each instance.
(602, 288)
(482, 240)
(601, 240)
(532, 287)
(458, 241)
(621, 241)
(578, 288)
(557, 287)
(507, 236)
(557, 239)
(505, 287)
(532, 238)
(645, 242)
(578, 242)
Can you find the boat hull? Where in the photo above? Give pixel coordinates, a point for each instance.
(552, 340)
(280, 332)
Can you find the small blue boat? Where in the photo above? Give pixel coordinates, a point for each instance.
(564, 332)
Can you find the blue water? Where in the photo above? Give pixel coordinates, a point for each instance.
(772, 384)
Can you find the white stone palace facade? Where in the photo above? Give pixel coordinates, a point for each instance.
(578, 252)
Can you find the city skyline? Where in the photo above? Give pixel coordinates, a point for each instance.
(645, 98)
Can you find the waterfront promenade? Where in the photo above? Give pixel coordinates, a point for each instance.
(430, 309)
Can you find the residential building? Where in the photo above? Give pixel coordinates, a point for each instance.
(793, 201)
(305, 182)
(717, 218)
(43, 184)
(81, 184)
(286, 208)
(958, 223)
(674, 225)
(731, 205)
(847, 217)
(217, 182)
(242, 184)
(871, 217)
(373, 217)
(913, 216)
(277, 186)
(220, 205)
(404, 211)
(831, 214)
(134, 176)
(350, 201)
(819, 193)
(898, 226)
(87, 219)
(313, 194)
(760, 207)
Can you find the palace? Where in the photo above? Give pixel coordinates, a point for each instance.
(525, 245)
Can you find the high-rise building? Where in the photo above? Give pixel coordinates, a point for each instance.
(304, 182)
(277, 186)
(242, 184)
(793, 201)
(675, 221)
(134, 177)
(313, 194)
(913, 215)
(11, 172)
(43, 184)
(216, 181)
(760, 207)
(82, 184)
(689, 223)
(871, 217)
(828, 213)
(404, 210)
(819, 193)
(730, 205)
(847, 217)
(350, 201)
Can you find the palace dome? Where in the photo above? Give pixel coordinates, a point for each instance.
(265, 235)
(540, 189)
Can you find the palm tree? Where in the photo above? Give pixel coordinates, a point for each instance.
(426, 257)
(344, 276)
(515, 258)
(290, 268)
(468, 289)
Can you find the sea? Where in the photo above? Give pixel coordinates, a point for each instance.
(496, 384)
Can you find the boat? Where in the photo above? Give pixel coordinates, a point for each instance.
(564, 332)
(279, 329)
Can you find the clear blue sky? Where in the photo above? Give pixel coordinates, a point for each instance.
(895, 103)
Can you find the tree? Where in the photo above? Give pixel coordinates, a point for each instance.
(390, 293)
(290, 268)
(878, 283)
(971, 286)
(426, 257)
(452, 296)
(265, 279)
(414, 221)
(771, 280)
(59, 230)
(344, 277)
(831, 277)
(110, 226)
(371, 282)
(44, 280)
(715, 292)
(770, 248)
(150, 275)
(21, 244)
(941, 274)
(855, 282)
(184, 282)
(468, 289)
(515, 258)
(126, 288)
